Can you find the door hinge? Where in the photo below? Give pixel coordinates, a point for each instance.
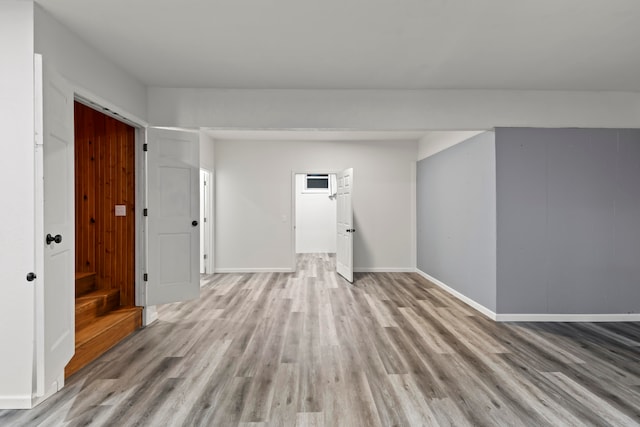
(204, 220)
(145, 277)
(145, 147)
(145, 212)
(205, 256)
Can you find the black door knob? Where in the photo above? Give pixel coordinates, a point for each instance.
(194, 223)
(57, 238)
(31, 277)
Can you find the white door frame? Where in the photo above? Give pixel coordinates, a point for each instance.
(85, 97)
(293, 206)
(140, 126)
(208, 226)
(39, 392)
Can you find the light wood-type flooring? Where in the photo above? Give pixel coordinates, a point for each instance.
(310, 349)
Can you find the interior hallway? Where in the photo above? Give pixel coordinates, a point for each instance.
(276, 349)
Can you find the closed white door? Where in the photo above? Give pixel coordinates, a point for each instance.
(344, 254)
(173, 216)
(55, 230)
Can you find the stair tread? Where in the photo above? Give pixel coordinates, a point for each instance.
(85, 283)
(93, 296)
(95, 304)
(101, 334)
(103, 323)
(84, 274)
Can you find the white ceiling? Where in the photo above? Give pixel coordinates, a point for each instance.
(366, 44)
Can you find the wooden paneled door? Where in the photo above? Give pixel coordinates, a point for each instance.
(105, 201)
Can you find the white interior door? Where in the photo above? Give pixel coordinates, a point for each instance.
(344, 255)
(55, 231)
(173, 216)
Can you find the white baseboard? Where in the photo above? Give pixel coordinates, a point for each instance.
(149, 315)
(533, 317)
(16, 402)
(55, 387)
(255, 270)
(623, 317)
(289, 270)
(30, 402)
(481, 308)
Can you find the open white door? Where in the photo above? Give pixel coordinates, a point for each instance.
(55, 229)
(173, 212)
(344, 255)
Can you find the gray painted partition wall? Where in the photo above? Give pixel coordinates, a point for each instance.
(456, 218)
(535, 221)
(568, 221)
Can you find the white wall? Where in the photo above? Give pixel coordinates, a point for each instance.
(17, 217)
(207, 152)
(316, 220)
(391, 109)
(88, 69)
(436, 141)
(254, 200)
(24, 30)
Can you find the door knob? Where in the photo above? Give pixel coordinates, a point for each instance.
(57, 239)
(194, 223)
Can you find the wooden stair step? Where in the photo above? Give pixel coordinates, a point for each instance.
(96, 338)
(85, 283)
(94, 304)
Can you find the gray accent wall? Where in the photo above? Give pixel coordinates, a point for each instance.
(456, 218)
(568, 221)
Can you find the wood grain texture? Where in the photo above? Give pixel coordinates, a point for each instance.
(93, 304)
(310, 349)
(105, 177)
(102, 333)
(85, 283)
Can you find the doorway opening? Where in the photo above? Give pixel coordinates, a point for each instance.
(105, 230)
(315, 214)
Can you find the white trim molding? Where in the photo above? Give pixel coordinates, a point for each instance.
(481, 308)
(16, 402)
(622, 317)
(383, 270)
(149, 315)
(255, 270)
(30, 402)
(532, 317)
